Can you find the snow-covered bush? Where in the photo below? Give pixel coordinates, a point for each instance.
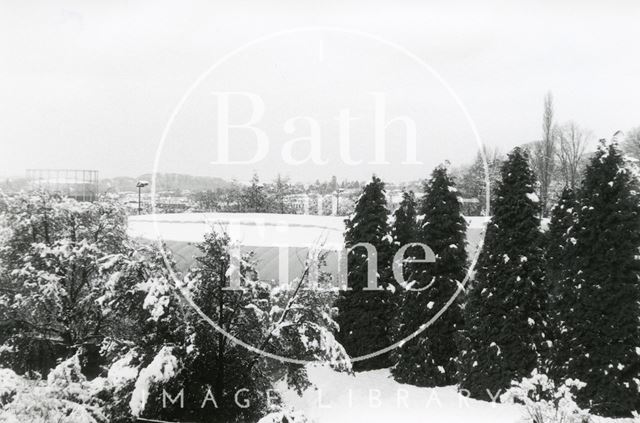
(303, 326)
(122, 371)
(545, 402)
(66, 396)
(63, 272)
(10, 384)
(75, 280)
(163, 367)
(172, 346)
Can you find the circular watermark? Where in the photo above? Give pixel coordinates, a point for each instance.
(223, 141)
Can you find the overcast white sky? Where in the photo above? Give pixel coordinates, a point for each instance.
(89, 84)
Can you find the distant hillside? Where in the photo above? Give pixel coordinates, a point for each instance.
(165, 182)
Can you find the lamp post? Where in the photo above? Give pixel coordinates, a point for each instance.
(140, 185)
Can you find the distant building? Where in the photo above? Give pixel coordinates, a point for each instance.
(80, 184)
(164, 202)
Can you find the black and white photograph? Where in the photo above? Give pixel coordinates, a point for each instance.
(319, 212)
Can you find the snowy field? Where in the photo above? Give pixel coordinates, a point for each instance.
(374, 397)
(260, 229)
(278, 240)
(250, 229)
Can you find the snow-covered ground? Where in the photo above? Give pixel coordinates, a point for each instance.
(375, 397)
(259, 229)
(279, 240)
(249, 229)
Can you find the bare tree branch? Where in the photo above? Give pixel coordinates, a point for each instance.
(573, 141)
(631, 144)
(544, 154)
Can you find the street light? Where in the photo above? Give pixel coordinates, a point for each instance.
(140, 185)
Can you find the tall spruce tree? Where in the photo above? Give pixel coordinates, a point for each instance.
(404, 230)
(280, 190)
(558, 255)
(505, 324)
(405, 226)
(254, 197)
(563, 216)
(600, 310)
(365, 316)
(429, 358)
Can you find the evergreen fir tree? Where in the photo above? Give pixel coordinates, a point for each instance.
(558, 255)
(281, 189)
(216, 360)
(563, 215)
(429, 358)
(505, 324)
(254, 197)
(600, 309)
(365, 316)
(404, 230)
(405, 226)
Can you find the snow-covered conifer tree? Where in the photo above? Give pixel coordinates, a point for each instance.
(405, 225)
(601, 331)
(558, 255)
(504, 311)
(429, 358)
(365, 316)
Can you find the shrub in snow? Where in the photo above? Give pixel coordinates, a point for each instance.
(180, 351)
(163, 367)
(122, 371)
(302, 325)
(124, 300)
(64, 396)
(68, 268)
(10, 384)
(66, 373)
(546, 402)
